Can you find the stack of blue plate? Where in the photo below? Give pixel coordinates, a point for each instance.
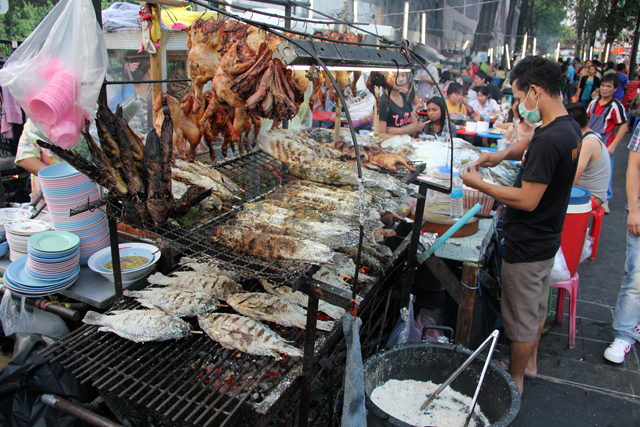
(20, 283)
(50, 266)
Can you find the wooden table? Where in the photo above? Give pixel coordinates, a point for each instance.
(470, 250)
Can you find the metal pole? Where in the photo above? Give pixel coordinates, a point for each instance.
(634, 49)
(307, 363)
(115, 251)
(77, 411)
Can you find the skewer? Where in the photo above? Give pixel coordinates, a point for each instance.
(197, 332)
(239, 198)
(223, 305)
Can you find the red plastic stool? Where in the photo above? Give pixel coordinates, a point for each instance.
(570, 286)
(597, 212)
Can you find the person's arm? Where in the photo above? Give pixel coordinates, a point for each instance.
(525, 198)
(507, 126)
(410, 129)
(633, 186)
(512, 152)
(32, 165)
(580, 86)
(589, 146)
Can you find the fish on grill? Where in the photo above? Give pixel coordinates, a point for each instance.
(272, 246)
(209, 172)
(211, 266)
(211, 202)
(189, 199)
(285, 146)
(270, 308)
(299, 298)
(103, 163)
(237, 332)
(140, 325)
(220, 287)
(333, 172)
(336, 233)
(176, 302)
(194, 178)
(378, 260)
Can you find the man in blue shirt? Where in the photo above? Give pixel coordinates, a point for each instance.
(624, 82)
(571, 71)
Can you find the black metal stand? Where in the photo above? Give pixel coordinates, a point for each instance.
(307, 367)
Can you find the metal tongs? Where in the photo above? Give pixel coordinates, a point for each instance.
(35, 203)
(494, 340)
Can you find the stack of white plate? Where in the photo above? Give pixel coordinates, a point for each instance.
(53, 256)
(65, 188)
(18, 233)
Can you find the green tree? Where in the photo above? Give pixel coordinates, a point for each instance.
(542, 19)
(23, 16)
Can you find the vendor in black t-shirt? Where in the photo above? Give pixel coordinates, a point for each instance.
(396, 115)
(536, 206)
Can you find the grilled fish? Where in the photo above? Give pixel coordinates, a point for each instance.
(285, 146)
(297, 297)
(336, 234)
(211, 202)
(271, 246)
(202, 181)
(103, 164)
(220, 287)
(210, 266)
(176, 302)
(189, 199)
(208, 171)
(140, 325)
(247, 335)
(159, 195)
(271, 308)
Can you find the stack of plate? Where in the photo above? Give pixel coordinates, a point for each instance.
(19, 282)
(65, 188)
(53, 256)
(18, 233)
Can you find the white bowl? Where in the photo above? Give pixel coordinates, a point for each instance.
(99, 259)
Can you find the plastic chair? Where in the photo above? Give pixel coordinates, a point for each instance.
(570, 286)
(597, 212)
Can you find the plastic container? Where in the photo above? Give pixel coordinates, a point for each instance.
(575, 227)
(456, 209)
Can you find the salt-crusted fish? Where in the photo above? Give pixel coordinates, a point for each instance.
(247, 335)
(211, 266)
(176, 302)
(272, 246)
(220, 287)
(270, 308)
(297, 297)
(285, 146)
(208, 171)
(140, 325)
(193, 178)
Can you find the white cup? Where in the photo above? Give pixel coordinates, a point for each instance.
(471, 126)
(482, 127)
(502, 144)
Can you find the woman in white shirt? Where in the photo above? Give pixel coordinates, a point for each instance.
(484, 105)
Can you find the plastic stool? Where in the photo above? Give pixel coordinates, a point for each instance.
(570, 286)
(597, 212)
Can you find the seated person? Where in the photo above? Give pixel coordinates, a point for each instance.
(458, 111)
(396, 115)
(484, 105)
(481, 79)
(594, 164)
(436, 113)
(520, 129)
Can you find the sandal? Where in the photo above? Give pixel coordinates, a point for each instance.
(506, 368)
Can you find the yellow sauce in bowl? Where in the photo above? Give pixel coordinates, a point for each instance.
(128, 262)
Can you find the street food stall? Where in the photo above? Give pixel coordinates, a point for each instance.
(264, 251)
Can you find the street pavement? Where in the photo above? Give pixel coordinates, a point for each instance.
(578, 387)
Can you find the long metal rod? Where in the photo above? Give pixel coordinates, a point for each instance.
(307, 366)
(495, 336)
(458, 371)
(77, 411)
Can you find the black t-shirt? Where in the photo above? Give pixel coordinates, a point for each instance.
(393, 114)
(550, 158)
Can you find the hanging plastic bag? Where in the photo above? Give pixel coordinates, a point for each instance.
(586, 249)
(406, 329)
(57, 72)
(560, 271)
(16, 319)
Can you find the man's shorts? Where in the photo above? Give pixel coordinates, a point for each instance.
(525, 296)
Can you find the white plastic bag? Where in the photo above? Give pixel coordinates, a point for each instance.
(406, 330)
(22, 320)
(57, 72)
(560, 271)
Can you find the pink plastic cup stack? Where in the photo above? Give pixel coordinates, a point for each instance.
(56, 99)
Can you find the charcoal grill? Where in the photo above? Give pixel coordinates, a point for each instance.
(195, 381)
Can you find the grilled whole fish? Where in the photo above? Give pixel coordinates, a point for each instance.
(220, 287)
(140, 325)
(334, 233)
(202, 181)
(369, 258)
(271, 246)
(176, 302)
(297, 297)
(285, 146)
(210, 266)
(108, 144)
(159, 195)
(271, 308)
(103, 164)
(247, 335)
(211, 202)
(208, 171)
